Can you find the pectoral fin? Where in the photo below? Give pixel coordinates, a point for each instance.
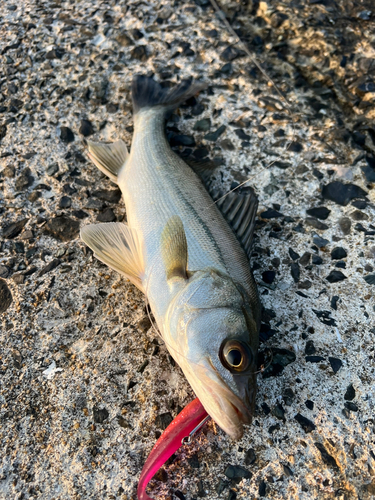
(109, 158)
(174, 248)
(118, 246)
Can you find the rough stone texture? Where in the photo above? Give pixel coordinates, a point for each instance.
(80, 408)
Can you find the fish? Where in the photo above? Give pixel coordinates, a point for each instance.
(188, 254)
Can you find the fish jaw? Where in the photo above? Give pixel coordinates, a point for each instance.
(229, 411)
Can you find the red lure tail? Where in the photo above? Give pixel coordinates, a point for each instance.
(169, 442)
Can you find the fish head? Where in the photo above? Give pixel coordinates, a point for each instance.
(212, 334)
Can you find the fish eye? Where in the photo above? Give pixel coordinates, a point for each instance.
(235, 356)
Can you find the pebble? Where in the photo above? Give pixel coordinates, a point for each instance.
(49, 267)
(250, 457)
(65, 202)
(4, 271)
(370, 279)
(309, 404)
(293, 255)
(310, 348)
(358, 215)
(3, 130)
(231, 53)
(341, 193)
(345, 225)
(24, 180)
(163, 420)
(306, 424)
(110, 195)
(335, 363)
(327, 458)
(107, 215)
(335, 276)
(5, 296)
(237, 472)
(62, 228)
(100, 415)
(86, 129)
(313, 222)
(350, 393)
(338, 253)
(295, 272)
(139, 53)
(262, 489)
(305, 259)
(213, 136)
(369, 169)
(202, 125)
(313, 359)
(271, 213)
(268, 276)
(334, 301)
(14, 229)
(280, 359)
(66, 135)
(319, 241)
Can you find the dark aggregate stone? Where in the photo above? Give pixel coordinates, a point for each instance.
(124, 40)
(335, 276)
(341, 193)
(80, 214)
(100, 415)
(293, 255)
(288, 396)
(66, 135)
(334, 301)
(306, 424)
(49, 267)
(280, 359)
(139, 53)
(262, 490)
(24, 180)
(163, 420)
(350, 393)
(268, 276)
(313, 222)
(227, 145)
(319, 241)
(237, 472)
(3, 131)
(338, 253)
(270, 213)
(65, 202)
(213, 136)
(349, 405)
(144, 324)
(345, 225)
(107, 215)
(310, 348)
(62, 228)
(86, 128)
(202, 125)
(295, 272)
(341, 264)
(14, 229)
(370, 279)
(241, 134)
(232, 495)
(358, 215)
(110, 195)
(111, 107)
(369, 169)
(194, 462)
(54, 54)
(5, 296)
(305, 259)
(326, 457)
(325, 317)
(309, 404)
(182, 140)
(278, 412)
(221, 486)
(314, 359)
(136, 34)
(230, 53)
(179, 495)
(317, 260)
(4, 271)
(250, 457)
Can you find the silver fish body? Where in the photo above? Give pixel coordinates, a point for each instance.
(214, 302)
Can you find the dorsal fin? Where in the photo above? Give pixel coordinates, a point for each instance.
(239, 209)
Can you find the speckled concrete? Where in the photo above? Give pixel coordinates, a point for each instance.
(86, 384)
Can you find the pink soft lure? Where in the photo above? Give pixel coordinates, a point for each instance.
(169, 442)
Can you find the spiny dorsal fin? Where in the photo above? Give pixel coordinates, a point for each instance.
(239, 209)
(109, 158)
(118, 246)
(174, 248)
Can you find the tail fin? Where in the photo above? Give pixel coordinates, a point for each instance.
(147, 93)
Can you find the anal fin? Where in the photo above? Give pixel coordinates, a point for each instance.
(118, 246)
(109, 158)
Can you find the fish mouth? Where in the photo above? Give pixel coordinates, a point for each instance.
(228, 410)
